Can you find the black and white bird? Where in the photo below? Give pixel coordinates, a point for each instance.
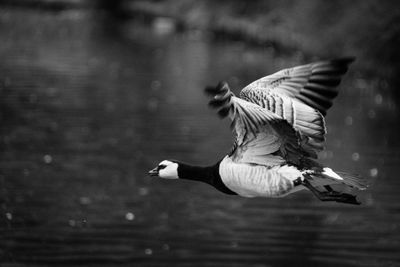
(279, 127)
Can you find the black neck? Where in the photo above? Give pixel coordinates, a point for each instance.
(209, 175)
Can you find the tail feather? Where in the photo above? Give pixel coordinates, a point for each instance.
(327, 176)
(354, 180)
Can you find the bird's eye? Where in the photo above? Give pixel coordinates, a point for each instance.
(161, 166)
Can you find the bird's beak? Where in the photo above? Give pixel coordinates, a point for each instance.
(154, 172)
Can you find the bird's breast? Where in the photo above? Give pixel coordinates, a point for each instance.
(257, 180)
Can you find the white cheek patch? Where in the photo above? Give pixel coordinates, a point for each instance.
(169, 172)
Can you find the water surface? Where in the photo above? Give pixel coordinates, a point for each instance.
(88, 105)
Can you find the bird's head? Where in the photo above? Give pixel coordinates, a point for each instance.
(165, 169)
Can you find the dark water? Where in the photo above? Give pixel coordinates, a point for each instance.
(88, 106)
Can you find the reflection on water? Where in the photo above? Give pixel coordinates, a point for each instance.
(87, 109)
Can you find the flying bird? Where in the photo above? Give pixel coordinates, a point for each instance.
(278, 123)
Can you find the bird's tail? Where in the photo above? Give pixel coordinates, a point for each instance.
(328, 177)
(354, 180)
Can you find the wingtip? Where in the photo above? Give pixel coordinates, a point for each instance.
(221, 97)
(221, 86)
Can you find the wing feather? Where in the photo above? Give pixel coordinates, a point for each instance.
(280, 117)
(321, 78)
(306, 93)
(261, 136)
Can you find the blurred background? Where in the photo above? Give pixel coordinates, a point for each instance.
(95, 93)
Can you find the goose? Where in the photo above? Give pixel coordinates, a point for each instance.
(278, 123)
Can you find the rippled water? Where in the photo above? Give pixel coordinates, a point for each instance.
(88, 105)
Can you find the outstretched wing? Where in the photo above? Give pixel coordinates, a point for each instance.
(301, 95)
(314, 84)
(261, 136)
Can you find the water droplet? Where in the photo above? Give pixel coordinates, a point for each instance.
(85, 200)
(165, 247)
(355, 156)
(52, 91)
(129, 216)
(152, 104)
(19, 199)
(143, 191)
(72, 223)
(26, 172)
(373, 172)
(378, 99)
(164, 216)
(155, 85)
(148, 251)
(371, 114)
(349, 120)
(332, 218)
(164, 25)
(9, 216)
(327, 154)
(234, 244)
(47, 159)
(361, 83)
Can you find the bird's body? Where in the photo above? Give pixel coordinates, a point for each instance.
(257, 180)
(279, 127)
